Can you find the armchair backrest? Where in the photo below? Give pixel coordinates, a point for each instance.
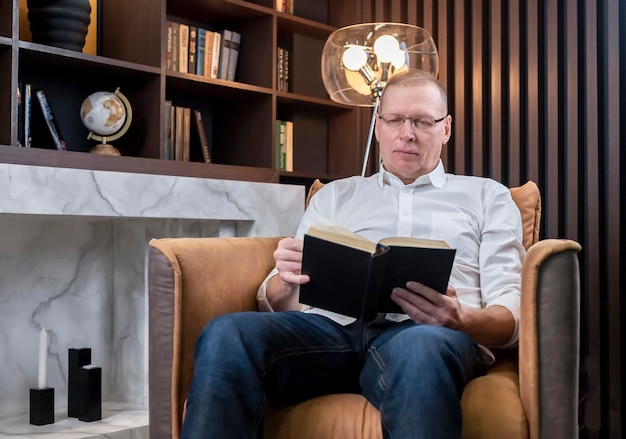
(528, 200)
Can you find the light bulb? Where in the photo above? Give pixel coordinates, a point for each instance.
(354, 58)
(398, 59)
(385, 48)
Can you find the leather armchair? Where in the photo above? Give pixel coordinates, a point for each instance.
(529, 392)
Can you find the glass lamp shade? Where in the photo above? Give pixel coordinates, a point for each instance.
(358, 60)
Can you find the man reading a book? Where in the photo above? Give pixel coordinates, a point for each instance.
(412, 366)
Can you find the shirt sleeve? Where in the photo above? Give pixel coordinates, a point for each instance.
(501, 254)
(261, 294)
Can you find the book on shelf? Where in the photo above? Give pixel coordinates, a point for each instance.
(167, 121)
(51, 121)
(24, 114)
(285, 78)
(354, 276)
(183, 48)
(281, 145)
(27, 109)
(277, 152)
(193, 42)
(178, 133)
(168, 45)
(288, 146)
(233, 57)
(202, 137)
(200, 51)
(208, 53)
(175, 46)
(20, 116)
(281, 66)
(226, 39)
(186, 133)
(286, 6)
(215, 55)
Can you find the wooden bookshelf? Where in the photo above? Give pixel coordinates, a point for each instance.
(240, 114)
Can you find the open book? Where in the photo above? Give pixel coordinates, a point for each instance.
(354, 276)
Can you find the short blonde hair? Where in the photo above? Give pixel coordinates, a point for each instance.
(409, 78)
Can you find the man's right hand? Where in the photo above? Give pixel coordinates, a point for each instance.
(282, 291)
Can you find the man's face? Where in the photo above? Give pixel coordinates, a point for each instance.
(408, 151)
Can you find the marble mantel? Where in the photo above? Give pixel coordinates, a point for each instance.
(73, 259)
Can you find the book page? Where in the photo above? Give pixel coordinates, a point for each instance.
(414, 242)
(330, 231)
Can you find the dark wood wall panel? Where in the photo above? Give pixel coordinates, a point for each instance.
(536, 90)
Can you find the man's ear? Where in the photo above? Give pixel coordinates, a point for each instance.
(447, 129)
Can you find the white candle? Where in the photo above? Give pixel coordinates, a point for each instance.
(43, 357)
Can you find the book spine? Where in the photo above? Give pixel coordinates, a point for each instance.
(285, 78)
(277, 145)
(167, 123)
(186, 133)
(235, 42)
(375, 295)
(193, 43)
(208, 53)
(178, 136)
(224, 54)
(280, 53)
(200, 51)
(175, 44)
(20, 115)
(289, 146)
(183, 48)
(168, 50)
(51, 121)
(172, 141)
(215, 60)
(283, 145)
(204, 144)
(27, 102)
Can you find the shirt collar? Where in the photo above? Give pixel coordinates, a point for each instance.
(437, 177)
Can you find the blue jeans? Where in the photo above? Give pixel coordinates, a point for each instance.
(414, 374)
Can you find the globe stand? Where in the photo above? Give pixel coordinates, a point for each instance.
(104, 148)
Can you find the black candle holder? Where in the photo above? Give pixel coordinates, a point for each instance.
(90, 385)
(77, 358)
(42, 406)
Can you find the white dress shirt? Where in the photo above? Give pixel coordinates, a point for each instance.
(474, 215)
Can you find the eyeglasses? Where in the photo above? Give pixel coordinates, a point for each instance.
(422, 123)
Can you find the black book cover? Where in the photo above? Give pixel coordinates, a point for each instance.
(358, 283)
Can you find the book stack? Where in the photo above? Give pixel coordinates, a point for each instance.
(284, 145)
(180, 122)
(200, 51)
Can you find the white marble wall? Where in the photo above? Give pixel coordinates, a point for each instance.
(73, 246)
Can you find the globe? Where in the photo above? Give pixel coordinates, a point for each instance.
(103, 113)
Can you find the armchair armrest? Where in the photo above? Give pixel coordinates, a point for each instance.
(550, 338)
(191, 281)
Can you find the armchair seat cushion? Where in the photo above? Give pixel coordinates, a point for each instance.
(494, 396)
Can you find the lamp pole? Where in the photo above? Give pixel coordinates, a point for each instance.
(377, 91)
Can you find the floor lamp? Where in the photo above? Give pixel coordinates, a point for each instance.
(358, 60)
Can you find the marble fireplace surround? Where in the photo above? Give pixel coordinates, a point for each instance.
(73, 259)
